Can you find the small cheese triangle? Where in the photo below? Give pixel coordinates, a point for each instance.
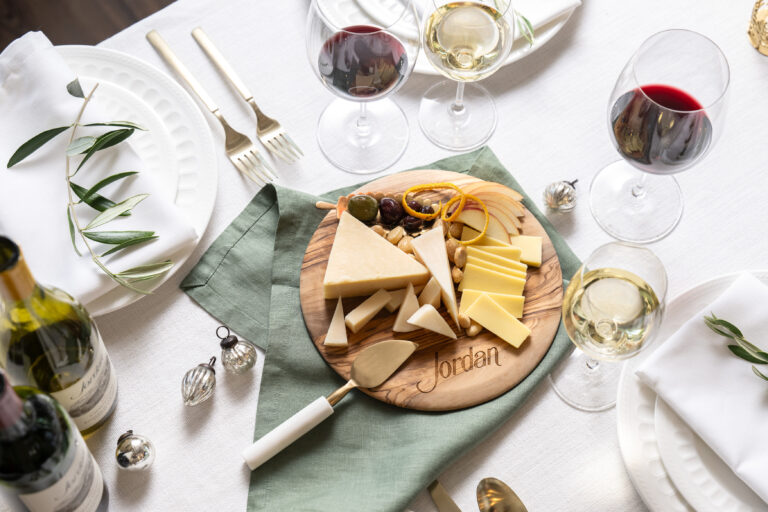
(431, 249)
(337, 331)
(427, 317)
(407, 308)
(362, 262)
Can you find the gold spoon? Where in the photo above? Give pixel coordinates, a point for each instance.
(493, 495)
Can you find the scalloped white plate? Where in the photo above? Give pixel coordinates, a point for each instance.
(177, 149)
(636, 406)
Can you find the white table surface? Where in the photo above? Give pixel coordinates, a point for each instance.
(552, 126)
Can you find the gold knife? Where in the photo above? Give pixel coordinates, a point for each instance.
(441, 498)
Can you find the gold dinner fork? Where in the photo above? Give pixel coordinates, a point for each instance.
(239, 148)
(269, 131)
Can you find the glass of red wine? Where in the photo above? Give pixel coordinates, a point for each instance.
(664, 115)
(362, 51)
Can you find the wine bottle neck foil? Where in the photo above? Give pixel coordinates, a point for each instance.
(16, 281)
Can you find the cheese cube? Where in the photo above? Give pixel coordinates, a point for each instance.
(431, 294)
(496, 319)
(468, 233)
(480, 262)
(428, 318)
(479, 278)
(531, 249)
(494, 258)
(513, 304)
(337, 331)
(362, 314)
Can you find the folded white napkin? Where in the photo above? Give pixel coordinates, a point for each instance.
(539, 12)
(33, 194)
(714, 391)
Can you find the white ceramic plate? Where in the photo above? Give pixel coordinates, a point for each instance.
(636, 405)
(177, 149)
(700, 475)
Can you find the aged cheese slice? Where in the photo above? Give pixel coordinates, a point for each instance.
(496, 319)
(409, 306)
(431, 294)
(431, 249)
(531, 249)
(480, 262)
(362, 262)
(479, 278)
(513, 304)
(476, 220)
(362, 314)
(397, 296)
(511, 253)
(493, 258)
(337, 331)
(428, 318)
(467, 233)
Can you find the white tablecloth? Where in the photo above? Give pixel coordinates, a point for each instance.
(552, 126)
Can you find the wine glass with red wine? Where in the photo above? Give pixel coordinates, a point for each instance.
(664, 115)
(362, 51)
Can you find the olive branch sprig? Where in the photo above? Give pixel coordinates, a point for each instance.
(743, 349)
(109, 210)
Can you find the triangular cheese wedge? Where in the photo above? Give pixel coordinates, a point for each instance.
(431, 249)
(407, 308)
(431, 294)
(362, 262)
(337, 331)
(427, 317)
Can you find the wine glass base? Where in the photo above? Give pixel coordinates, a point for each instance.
(586, 384)
(457, 130)
(631, 214)
(363, 148)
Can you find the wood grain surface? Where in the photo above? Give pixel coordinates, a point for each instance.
(442, 374)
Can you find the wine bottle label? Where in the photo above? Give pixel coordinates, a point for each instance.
(79, 490)
(91, 398)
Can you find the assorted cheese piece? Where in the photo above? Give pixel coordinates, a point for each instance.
(531, 249)
(362, 314)
(430, 247)
(480, 262)
(337, 332)
(397, 296)
(513, 304)
(409, 306)
(478, 252)
(430, 294)
(496, 319)
(479, 278)
(427, 317)
(362, 262)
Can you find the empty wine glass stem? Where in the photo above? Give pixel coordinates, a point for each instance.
(457, 107)
(638, 189)
(363, 123)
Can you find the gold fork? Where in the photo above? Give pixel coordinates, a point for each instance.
(269, 131)
(239, 148)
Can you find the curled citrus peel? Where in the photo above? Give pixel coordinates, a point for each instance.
(442, 210)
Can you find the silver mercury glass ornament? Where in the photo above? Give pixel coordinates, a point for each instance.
(237, 356)
(134, 452)
(198, 383)
(561, 195)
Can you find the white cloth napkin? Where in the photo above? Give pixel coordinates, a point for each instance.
(541, 12)
(33, 194)
(714, 391)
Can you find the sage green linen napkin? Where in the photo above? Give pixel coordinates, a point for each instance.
(368, 456)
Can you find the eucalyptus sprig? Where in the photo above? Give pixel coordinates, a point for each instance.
(743, 349)
(109, 210)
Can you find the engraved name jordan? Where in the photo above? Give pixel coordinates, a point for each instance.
(449, 368)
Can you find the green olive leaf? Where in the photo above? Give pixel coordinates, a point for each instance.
(759, 373)
(80, 145)
(110, 213)
(95, 201)
(128, 243)
(34, 144)
(75, 89)
(739, 351)
(72, 231)
(116, 237)
(124, 124)
(144, 272)
(106, 181)
(105, 141)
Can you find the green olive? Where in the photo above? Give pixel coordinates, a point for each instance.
(363, 208)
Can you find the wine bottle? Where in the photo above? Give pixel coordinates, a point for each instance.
(48, 341)
(43, 458)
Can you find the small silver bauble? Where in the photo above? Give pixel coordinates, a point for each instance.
(134, 452)
(561, 195)
(198, 383)
(237, 356)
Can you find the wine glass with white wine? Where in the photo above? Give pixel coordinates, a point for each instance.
(612, 309)
(466, 41)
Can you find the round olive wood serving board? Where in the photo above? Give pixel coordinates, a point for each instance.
(443, 374)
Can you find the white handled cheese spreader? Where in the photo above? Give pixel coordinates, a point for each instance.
(371, 368)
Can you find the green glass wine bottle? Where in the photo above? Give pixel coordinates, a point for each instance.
(48, 341)
(43, 458)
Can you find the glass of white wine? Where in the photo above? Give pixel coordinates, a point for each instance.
(466, 41)
(612, 309)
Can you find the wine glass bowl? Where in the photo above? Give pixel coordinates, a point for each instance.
(664, 115)
(363, 52)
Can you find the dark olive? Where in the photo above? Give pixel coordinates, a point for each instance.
(428, 209)
(391, 211)
(363, 208)
(411, 224)
(415, 205)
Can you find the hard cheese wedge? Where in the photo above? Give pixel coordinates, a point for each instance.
(479, 278)
(337, 331)
(496, 319)
(362, 314)
(513, 304)
(467, 233)
(531, 249)
(407, 308)
(431, 294)
(476, 220)
(397, 297)
(480, 262)
(494, 258)
(430, 247)
(362, 262)
(511, 253)
(427, 317)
